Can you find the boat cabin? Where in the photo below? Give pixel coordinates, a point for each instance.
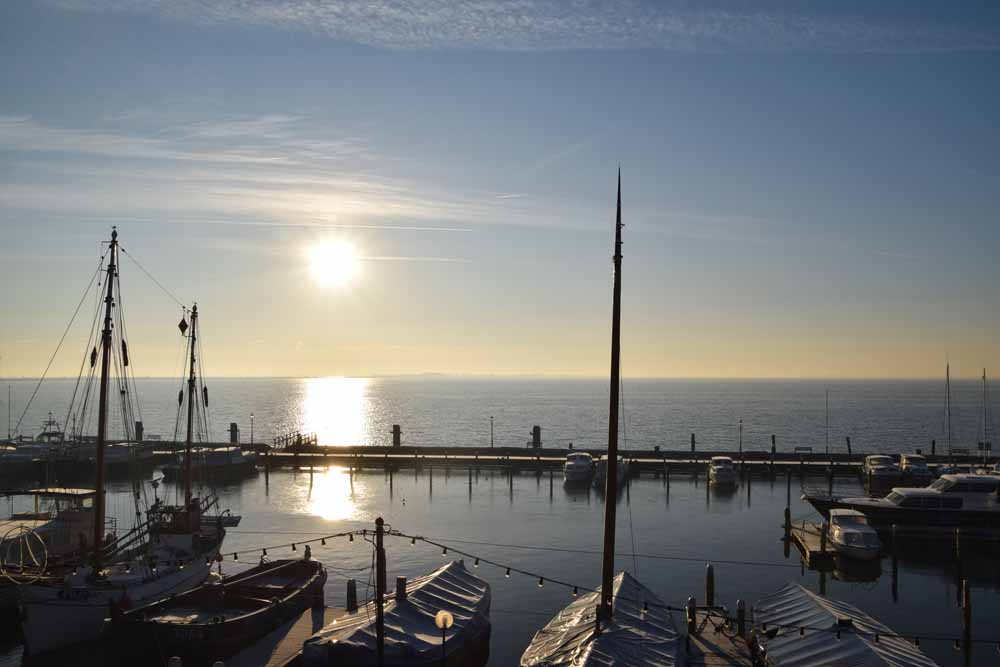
(966, 484)
(580, 458)
(929, 499)
(722, 462)
(914, 462)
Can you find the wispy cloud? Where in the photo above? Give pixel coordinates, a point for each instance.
(713, 25)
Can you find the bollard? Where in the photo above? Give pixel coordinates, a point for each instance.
(741, 618)
(709, 585)
(692, 617)
(400, 589)
(352, 595)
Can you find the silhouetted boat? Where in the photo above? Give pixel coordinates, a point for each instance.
(623, 623)
(218, 619)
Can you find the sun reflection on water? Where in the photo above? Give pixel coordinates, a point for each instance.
(336, 410)
(334, 495)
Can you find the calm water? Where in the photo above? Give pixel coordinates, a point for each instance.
(676, 533)
(877, 415)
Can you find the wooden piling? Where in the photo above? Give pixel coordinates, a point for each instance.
(822, 537)
(692, 616)
(966, 615)
(741, 618)
(709, 585)
(352, 595)
(788, 488)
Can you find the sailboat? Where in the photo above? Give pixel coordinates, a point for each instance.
(623, 623)
(169, 552)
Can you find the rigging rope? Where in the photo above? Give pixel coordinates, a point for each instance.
(151, 277)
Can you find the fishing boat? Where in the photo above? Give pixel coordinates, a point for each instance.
(579, 468)
(969, 502)
(411, 636)
(722, 471)
(851, 536)
(218, 619)
(168, 552)
(832, 633)
(623, 623)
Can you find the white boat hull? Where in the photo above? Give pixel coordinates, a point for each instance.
(57, 616)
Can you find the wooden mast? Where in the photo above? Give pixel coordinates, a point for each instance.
(192, 397)
(102, 412)
(611, 470)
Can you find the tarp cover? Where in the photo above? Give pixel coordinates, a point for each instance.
(795, 606)
(411, 637)
(633, 637)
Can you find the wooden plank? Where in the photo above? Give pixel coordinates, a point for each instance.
(714, 649)
(807, 538)
(283, 646)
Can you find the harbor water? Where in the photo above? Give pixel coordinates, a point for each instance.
(667, 531)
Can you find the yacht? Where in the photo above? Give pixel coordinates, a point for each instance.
(914, 470)
(722, 471)
(851, 536)
(880, 468)
(969, 502)
(579, 468)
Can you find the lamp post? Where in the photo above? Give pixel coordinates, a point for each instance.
(443, 620)
(251, 428)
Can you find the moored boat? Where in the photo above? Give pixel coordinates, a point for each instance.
(579, 468)
(851, 536)
(914, 470)
(411, 635)
(218, 619)
(794, 627)
(722, 471)
(601, 472)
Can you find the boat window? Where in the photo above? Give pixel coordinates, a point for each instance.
(852, 520)
(910, 501)
(895, 498)
(941, 485)
(931, 503)
(960, 487)
(951, 502)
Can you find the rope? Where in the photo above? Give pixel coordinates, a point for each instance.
(151, 277)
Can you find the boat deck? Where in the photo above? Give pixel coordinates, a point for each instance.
(282, 647)
(806, 537)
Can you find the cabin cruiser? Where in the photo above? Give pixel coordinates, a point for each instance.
(851, 535)
(722, 471)
(601, 469)
(579, 468)
(969, 502)
(914, 470)
(881, 468)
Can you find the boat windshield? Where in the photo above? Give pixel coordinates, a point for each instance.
(852, 520)
(941, 485)
(916, 463)
(895, 497)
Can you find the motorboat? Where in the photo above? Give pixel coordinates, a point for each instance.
(411, 635)
(216, 620)
(851, 536)
(579, 468)
(969, 502)
(794, 627)
(722, 471)
(914, 470)
(881, 469)
(601, 469)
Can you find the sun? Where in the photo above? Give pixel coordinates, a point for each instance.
(334, 262)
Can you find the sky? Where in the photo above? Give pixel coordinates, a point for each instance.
(809, 189)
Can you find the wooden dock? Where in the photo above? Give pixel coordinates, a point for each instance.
(714, 649)
(816, 552)
(282, 647)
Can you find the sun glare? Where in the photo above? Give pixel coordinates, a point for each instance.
(334, 263)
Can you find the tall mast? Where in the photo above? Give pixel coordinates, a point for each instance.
(102, 411)
(947, 402)
(192, 397)
(611, 471)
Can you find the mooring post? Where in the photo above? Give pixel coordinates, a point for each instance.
(848, 445)
(352, 595)
(822, 538)
(692, 444)
(788, 488)
(550, 483)
(895, 564)
(774, 448)
(692, 617)
(822, 582)
(958, 544)
(788, 523)
(966, 615)
(709, 585)
(741, 618)
(829, 481)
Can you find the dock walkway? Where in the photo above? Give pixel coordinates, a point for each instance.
(711, 648)
(816, 552)
(283, 646)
